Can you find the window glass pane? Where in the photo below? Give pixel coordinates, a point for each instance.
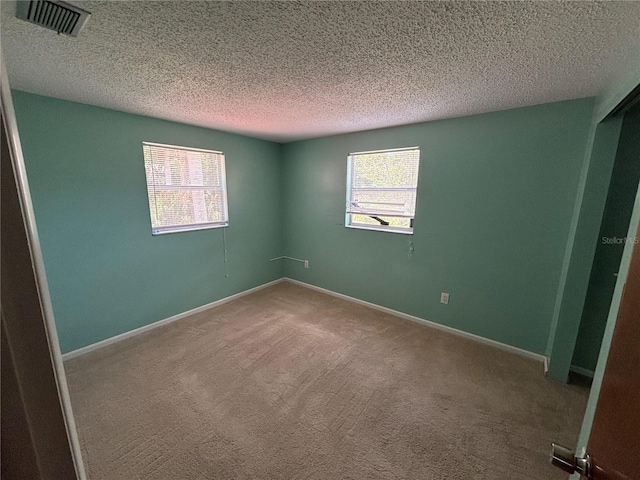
(185, 187)
(383, 188)
(393, 221)
(186, 207)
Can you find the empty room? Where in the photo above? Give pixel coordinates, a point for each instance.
(320, 240)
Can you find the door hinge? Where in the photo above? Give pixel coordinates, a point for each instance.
(566, 459)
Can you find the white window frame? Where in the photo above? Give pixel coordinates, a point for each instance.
(349, 211)
(151, 188)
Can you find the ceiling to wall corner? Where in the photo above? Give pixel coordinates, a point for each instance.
(289, 70)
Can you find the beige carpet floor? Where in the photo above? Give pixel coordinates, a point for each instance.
(290, 383)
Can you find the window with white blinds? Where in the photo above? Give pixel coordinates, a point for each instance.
(187, 188)
(381, 189)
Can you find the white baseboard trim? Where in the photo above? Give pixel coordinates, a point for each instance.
(546, 365)
(422, 321)
(582, 371)
(159, 323)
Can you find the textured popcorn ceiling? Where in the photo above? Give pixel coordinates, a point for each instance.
(292, 70)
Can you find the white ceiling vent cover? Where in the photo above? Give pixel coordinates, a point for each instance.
(54, 15)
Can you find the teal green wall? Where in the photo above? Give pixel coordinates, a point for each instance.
(615, 223)
(590, 202)
(496, 197)
(495, 203)
(581, 246)
(107, 273)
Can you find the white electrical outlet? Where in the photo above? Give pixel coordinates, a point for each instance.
(306, 264)
(444, 298)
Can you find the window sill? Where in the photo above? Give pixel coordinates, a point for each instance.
(402, 231)
(187, 228)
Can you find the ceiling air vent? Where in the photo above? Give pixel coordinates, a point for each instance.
(54, 15)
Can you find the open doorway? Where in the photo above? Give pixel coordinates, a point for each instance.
(612, 237)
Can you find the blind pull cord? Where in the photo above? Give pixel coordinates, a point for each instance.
(224, 251)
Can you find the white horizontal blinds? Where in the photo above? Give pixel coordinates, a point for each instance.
(384, 184)
(186, 187)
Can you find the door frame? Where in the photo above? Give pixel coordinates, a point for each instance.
(614, 309)
(22, 183)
